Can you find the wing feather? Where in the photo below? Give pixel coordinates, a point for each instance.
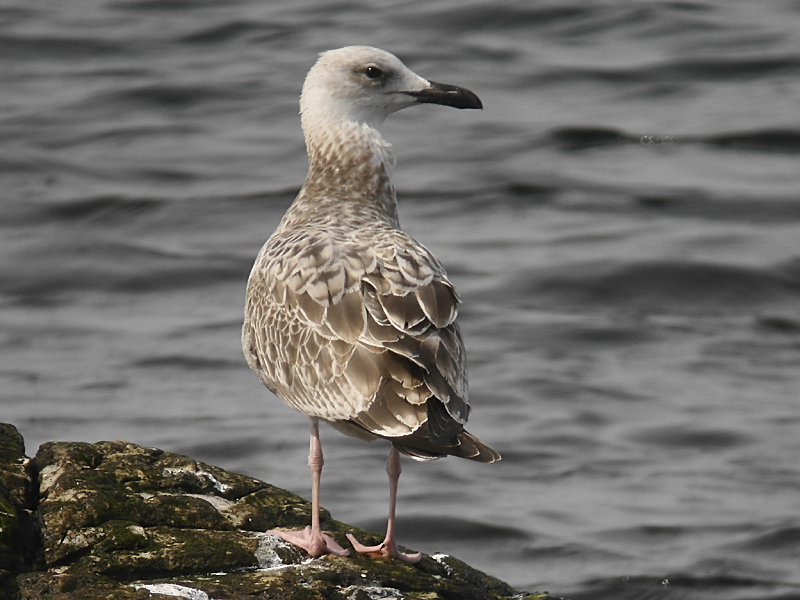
(344, 331)
(411, 415)
(404, 312)
(347, 318)
(312, 310)
(438, 300)
(363, 372)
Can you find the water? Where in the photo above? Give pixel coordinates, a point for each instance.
(622, 221)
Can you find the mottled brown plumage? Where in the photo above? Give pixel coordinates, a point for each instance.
(348, 319)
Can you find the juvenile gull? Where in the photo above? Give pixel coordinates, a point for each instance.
(348, 319)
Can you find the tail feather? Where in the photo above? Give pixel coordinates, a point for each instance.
(472, 448)
(420, 446)
(465, 445)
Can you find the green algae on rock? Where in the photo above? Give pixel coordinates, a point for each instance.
(117, 520)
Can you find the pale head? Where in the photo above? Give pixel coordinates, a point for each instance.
(360, 84)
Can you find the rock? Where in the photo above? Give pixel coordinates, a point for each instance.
(116, 520)
(18, 535)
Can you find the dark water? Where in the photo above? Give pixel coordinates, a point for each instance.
(622, 220)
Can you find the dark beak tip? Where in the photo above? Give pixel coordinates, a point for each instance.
(477, 104)
(448, 95)
(467, 99)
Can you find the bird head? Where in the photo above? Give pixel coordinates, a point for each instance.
(364, 85)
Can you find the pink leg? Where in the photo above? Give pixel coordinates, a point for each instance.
(311, 539)
(388, 547)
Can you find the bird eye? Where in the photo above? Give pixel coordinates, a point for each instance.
(373, 72)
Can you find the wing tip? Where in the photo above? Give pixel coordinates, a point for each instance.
(464, 445)
(473, 449)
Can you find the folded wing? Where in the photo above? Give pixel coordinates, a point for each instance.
(365, 336)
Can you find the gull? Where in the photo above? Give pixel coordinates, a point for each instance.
(348, 319)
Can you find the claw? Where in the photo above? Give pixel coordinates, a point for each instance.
(386, 549)
(315, 545)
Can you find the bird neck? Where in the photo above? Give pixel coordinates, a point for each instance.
(350, 168)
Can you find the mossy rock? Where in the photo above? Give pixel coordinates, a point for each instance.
(123, 521)
(18, 538)
(50, 585)
(11, 553)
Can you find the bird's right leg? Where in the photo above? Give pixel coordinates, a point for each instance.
(388, 548)
(311, 539)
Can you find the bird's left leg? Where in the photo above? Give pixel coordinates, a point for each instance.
(388, 547)
(311, 539)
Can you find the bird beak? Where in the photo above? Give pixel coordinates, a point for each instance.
(446, 95)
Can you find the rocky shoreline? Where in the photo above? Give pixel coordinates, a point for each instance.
(119, 521)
